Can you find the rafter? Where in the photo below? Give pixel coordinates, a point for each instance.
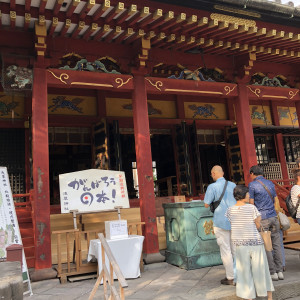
(77, 30)
(115, 32)
(66, 27)
(126, 14)
(42, 6)
(86, 9)
(138, 16)
(53, 26)
(27, 20)
(90, 31)
(101, 10)
(102, 31)
(72, 7)
(57, 7)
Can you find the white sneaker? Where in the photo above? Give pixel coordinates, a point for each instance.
(280, 275)
(274, 277)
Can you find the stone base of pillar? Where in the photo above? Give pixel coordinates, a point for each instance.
(151, 258)
(42, 274)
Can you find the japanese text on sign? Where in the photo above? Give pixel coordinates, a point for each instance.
(93, 190)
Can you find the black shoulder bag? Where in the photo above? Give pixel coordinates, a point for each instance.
(213, 206)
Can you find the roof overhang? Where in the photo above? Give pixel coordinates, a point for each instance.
(276, 129)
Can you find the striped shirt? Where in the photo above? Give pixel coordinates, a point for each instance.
(295, 192)
(243, 228)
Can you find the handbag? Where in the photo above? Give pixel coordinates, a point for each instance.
(213, 206)
(290, 206)
(284, 221)
(266, 236)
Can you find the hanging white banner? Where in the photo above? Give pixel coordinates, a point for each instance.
(9, 226)
(92, 190)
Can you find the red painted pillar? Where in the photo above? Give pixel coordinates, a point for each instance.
(144, 164)
(245, 131)
(279, 143)
(40, 156)
(297, 104)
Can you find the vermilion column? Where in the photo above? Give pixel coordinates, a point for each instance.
(297, 104)
(40, 156)
(144, 164)
(245, 131)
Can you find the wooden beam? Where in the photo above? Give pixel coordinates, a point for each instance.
(42, 7)
(12, 5)
(194, 25)
(126, 33)
(57, 7)
(27, 5)
(167, 17)
(101, 10)
(138, 16)
(115, 32)
(86, 9)
(151, 18)
(126, 14)
(137, 35)
(90, 31)
(104, 30)
(77, 30)
(72, 7)
(114, 12)
(13, 17)
(66, 27)
(53, 26)
(27, 20)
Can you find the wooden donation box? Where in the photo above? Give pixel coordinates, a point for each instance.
(191, 243)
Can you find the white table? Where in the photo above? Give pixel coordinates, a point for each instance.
(127, 252)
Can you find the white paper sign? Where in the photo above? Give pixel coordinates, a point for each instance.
(116, 229)
(9, 226)
(92, 190)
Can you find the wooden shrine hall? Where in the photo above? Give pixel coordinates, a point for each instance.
(162, 90)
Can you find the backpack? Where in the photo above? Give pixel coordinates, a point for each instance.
(290, 206)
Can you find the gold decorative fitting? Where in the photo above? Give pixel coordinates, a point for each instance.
(228, 90)
(208, 227)
(94, 26)
(293, 94)
(121, 82)
(62, 77)
(13, 14)
(54, 21)
(27, 17)
(81, 24)
(68, 22)
(232, 20)
(157, 84)
(237, 11)
(42, 20)
(91, 84)
(256, 92)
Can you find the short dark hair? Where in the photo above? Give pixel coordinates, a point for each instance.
(256, 170)
(296, 173)
(240, 192)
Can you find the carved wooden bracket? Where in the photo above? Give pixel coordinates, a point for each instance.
(244, 64)
(40, 35)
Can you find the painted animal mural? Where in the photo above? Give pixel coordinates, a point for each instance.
(151, 110)
(284, 113)
(22, 77)
(62, 102)
(205, 111)
(259, 115)
(7, 108)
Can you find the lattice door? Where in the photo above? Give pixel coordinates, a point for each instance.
(234, 155)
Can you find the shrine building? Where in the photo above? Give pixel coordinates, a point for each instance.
(162, 90)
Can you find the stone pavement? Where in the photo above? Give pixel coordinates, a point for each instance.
(162, 281)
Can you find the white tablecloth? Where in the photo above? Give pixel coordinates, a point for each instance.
(127, 252)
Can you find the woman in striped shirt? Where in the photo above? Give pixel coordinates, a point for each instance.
(295, 193)
(252, 270)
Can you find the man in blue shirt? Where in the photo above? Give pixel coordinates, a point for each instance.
(221, 223)
(259, 190)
